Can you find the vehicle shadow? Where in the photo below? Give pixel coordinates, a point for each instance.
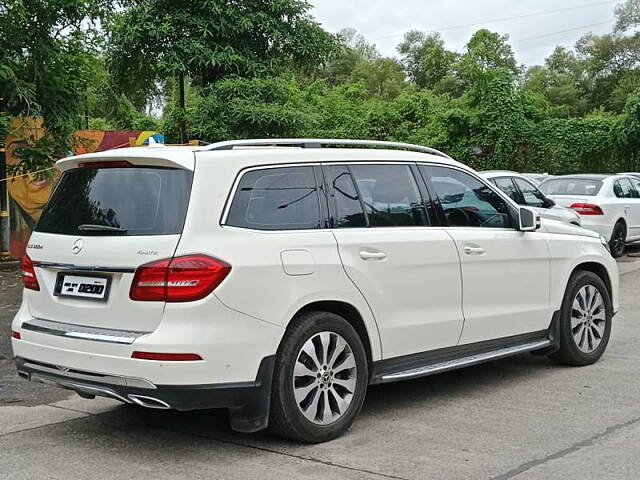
(395, 399)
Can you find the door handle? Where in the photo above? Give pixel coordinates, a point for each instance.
(474, 250)
(366, 255)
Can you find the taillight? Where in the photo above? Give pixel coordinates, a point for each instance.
(587, 209)
(29, 279)
(167, 357)
(180, 279)
(15, 335)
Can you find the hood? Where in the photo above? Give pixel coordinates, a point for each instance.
(563, 228)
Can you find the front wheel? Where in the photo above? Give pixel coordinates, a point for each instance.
(585, 320)
(320, 378)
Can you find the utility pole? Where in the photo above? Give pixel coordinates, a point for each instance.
(4, 206)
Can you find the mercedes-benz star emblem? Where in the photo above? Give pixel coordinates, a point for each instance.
(78, 245)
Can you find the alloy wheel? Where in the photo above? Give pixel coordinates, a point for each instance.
(618, 241)
(324, 378)
(588, 318)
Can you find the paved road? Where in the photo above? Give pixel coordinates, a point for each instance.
(522, 418)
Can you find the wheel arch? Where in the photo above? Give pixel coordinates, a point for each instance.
(350, 313)
(600, 270)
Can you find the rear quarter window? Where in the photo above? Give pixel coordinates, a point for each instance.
(283, 198)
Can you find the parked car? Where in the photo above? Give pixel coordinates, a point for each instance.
(526, 194)
(608, 204)
(279, 281)
(537, 178)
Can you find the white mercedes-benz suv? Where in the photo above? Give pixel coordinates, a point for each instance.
(279, 279)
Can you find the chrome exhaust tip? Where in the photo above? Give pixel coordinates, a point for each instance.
(149, 402)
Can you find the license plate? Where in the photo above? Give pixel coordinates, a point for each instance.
(91, 288)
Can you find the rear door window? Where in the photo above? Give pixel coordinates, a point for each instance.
(623, 188)
(283, 198)
(390, 195)
(118, 201)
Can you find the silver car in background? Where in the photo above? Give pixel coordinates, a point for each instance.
(524, 192)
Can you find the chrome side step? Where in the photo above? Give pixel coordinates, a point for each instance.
(464, 361)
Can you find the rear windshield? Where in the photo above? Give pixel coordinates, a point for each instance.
(118, 201)
(571, 186)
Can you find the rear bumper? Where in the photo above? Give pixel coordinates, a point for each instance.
(248, 402)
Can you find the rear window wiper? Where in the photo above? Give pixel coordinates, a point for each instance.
(89, 227)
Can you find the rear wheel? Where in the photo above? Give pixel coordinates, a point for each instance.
(585, 320)
(618, 239)
(320, 378)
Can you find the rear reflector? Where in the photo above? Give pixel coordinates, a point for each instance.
(15, 335)
(29, 279)
(114, 164)
(180, 279)
(167, 357)
(587, 209)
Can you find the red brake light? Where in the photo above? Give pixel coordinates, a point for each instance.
(167, 357)
(117, 163)
(587, 209)
(29, 279)
(180, 279)
(15, 335)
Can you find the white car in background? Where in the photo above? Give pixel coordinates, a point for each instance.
(608, 204)
(536, 178)
(525, 193)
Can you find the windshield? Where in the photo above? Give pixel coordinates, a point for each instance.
(118, 201)
(571, 186)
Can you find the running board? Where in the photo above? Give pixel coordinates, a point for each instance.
(464, 361)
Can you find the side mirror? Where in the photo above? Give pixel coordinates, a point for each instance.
(549, 202)
(529, 220)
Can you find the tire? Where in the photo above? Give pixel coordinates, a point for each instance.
(585, 325)
(618, 239)
(299, 395)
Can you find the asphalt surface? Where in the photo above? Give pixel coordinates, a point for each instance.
(520, 418)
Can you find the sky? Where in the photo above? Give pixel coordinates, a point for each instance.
(542, 25)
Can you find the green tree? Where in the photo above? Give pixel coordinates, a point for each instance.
(426, 59)
(486, 51)
(152, 40)
(383, 77)
(47, 49)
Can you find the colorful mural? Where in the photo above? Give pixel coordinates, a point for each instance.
(29, 194)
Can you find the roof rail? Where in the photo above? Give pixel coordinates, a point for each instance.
(318, 143)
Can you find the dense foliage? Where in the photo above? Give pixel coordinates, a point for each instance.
(267, 69)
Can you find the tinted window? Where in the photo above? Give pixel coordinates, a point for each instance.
(125, 200)
(506, 185)
(276, 199)
(571, 186)
(531, 195)
(465, 200)
(390, 195)
(624, 189)
(348, 211)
